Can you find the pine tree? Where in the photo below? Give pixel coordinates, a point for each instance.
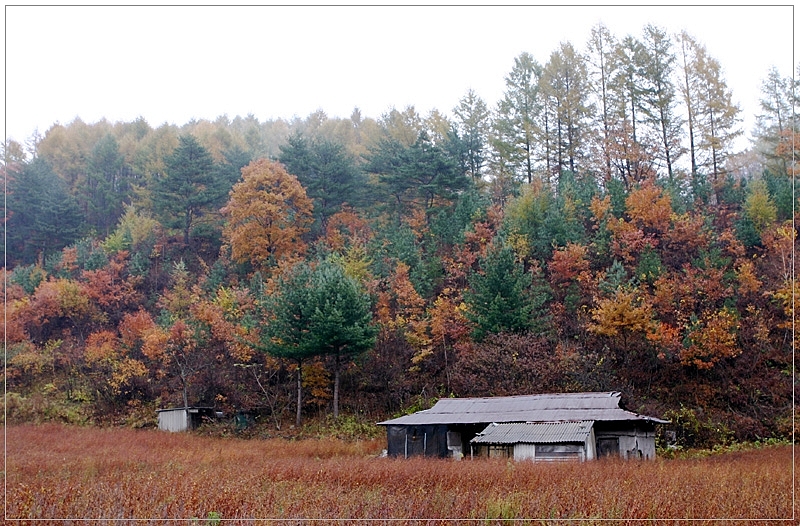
(324, 168)
(340, 322)
(42, 216)
(627, 93)
(515, 134)
(188, 188)
(473, 124)
(775, 121)
(713, 117)
(285, 324)
(319, 311)
(600, 62)
(106, 188)
(498, 297)
(660, 96)
(565, 87)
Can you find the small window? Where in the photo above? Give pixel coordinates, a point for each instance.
(558, 452)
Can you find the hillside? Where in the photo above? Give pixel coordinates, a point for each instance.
(371, 266)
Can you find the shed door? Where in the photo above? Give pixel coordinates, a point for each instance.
(416, 441)
(607, 447)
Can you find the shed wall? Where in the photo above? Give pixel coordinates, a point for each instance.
(173, 420)
(633, 443)
(591, 446)
(422, 440)
(524, 452)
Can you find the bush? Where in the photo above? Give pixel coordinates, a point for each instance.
(691, 432)
(39, 408)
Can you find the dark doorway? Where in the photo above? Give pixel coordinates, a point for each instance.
(607, 447)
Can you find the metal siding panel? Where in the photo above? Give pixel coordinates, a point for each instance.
(395, 440)
(524, 452)
(591, 450)
(173, 420)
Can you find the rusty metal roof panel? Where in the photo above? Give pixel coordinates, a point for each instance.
(527, 408)
(535, 433)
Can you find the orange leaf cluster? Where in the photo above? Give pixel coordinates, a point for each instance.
(649, 207)
(101, 346)
(268, 213)
(626, 311)
(568, 264)
(629, 240)
(346, 227)
(712, 339)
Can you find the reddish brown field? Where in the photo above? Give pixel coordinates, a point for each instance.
(56, 472)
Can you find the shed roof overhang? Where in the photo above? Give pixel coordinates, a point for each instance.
(556, 407)
(535, 433)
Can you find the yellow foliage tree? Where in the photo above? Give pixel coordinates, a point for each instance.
(268, 214)
(623, 313)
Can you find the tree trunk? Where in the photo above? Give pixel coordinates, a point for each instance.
(336, 388)
(299, 418)
(187, 228)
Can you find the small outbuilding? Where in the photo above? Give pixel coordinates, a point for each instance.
(540, 441)
(552, 426)
(183, 418)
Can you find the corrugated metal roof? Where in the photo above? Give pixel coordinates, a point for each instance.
(552, 407)
(535, 433)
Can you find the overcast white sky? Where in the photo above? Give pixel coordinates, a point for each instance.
(172, 64)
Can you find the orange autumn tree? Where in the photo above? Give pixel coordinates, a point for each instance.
(268, 213)
(401, 309)
(649, 212)
(712, 338)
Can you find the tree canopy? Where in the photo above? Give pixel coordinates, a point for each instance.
(596, 229)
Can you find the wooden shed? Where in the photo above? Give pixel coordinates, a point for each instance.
(449, 428)
(183, 418)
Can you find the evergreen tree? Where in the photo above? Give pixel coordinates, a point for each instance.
(565, 87)
(188, 188)
(106, 189)
(327, 172)
(473, 123)
(422, 175)
(318, 311)
(498, 297)
(627, 95)
(713, 117)
(229, 172)
(285, 324)
(340, 322)
(775, 121)
(42, 216)
(600, 69)
(516, 131)
(660, 96)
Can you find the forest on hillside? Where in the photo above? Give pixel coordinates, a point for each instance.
(595, 229)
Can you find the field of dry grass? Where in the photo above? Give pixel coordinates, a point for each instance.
(57, 472)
